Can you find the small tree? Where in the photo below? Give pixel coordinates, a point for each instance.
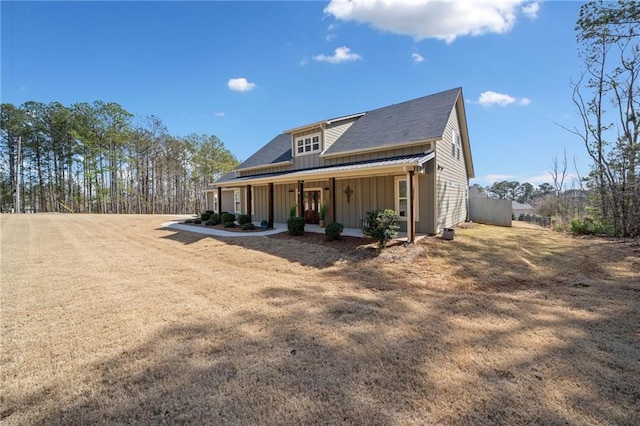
(382, 226)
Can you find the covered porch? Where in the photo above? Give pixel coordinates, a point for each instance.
(347, 192)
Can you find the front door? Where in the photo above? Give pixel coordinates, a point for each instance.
(312, 206)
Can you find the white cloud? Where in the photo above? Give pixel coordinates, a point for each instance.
(490, 98)
(444, 20)
(341, 54)
(332, 27)
(331, 36)
(417, 57)
(531, 10)
(240, 84)
(219, 114)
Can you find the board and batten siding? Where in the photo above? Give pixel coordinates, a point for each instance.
(452, 181)
(263, 170)
(378, 155)
(371, 193)
(425, 200)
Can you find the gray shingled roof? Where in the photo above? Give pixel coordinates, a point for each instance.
(415, 120)
(276, 151)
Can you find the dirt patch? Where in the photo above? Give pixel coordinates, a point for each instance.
(112, 319)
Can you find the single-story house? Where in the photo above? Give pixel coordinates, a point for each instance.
(521, 208)
(413, 157)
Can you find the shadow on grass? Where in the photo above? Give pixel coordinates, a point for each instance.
(371, 349)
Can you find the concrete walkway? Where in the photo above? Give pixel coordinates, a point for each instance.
(277, 228)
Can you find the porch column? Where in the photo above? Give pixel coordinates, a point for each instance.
(411, 223)
(300, 198)
(271, 205)
(332, 201)
(219, 200)
(249, 201)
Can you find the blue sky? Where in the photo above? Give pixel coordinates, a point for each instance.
(246, 71)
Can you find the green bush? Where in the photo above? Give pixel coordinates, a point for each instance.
(197, 221)
(229, 224)
(206, 215)
(214, 219)
(382, 226)
(247, 226)
(188, 221)
(295, 225)
(293, 210)
(333, 231)
(243, 219)
(227, 217)
(589, 226)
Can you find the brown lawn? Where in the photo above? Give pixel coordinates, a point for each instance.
(111, 319)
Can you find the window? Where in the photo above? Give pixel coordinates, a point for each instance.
(456, 147)
(308, 144)
(236, 201)
(402, 197)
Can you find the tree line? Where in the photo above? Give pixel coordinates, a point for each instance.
(607, 98)
(93, 158)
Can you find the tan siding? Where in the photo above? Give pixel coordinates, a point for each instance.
(264, 170)
(335, 130)
(426, 209)
(452, 182)
(368, 194)
(282, 201)
(260, 203)
(377, 155)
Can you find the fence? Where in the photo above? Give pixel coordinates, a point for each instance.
(535, 219)
(490, 211)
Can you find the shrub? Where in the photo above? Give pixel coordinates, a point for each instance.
(590, 226)
(227, 217)
(295, 225)
(229, 224)
(197, 221)
(333, 231)
(247, 226)
(206, 215)
(292, 210)
(243, 219)
(214, 219)
(382, 226)
(188, 221)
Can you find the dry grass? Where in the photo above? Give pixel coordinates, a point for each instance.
(109, 319)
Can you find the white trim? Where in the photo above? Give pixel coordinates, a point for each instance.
(307, 142)
(237, 209)
(396, 197)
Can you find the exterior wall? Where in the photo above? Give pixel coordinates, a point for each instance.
(426, 200)
(264, 170)
(309, 160)
(368, 194)
(209, 200)
(452, 181)
(377, 155)
(227, 201)
(260, 203)
(334, 130)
